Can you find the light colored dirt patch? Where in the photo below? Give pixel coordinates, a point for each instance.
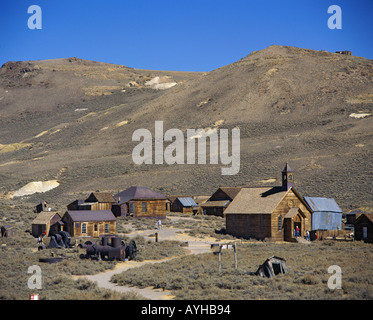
(13, 147)
(36, 186)
(360, 115)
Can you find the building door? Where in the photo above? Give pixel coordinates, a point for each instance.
(95, 230)
(365, 232)
(298, 224)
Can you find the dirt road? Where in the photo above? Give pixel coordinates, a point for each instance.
(195, 246)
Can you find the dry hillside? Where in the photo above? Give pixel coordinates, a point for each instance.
(72, 120)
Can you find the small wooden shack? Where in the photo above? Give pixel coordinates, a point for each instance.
(89, 223)
(6, 231)
(141, 202)
(184, 205)
(46, 221)
(42, 206)
(364, 227)
(100, 200)
(215, 208)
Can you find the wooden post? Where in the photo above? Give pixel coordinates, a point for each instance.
(235, 255)
(220, 259)
(156, 237)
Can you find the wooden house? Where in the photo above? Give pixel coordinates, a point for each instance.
(100, 200)
(89, 223)
(364, 227)
(141, 202)
(46, 221)
(95, 201)
(184, 205)
(219, 201)
(269, 212)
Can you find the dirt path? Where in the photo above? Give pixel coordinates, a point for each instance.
(195, 246)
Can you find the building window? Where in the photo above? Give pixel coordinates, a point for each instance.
(84, 228)
(144, 207)
(95, 228)
(279, 223)
(107, 228)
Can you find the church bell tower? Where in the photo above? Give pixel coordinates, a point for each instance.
(287, 178)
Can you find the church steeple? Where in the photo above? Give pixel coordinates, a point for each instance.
(287, 178)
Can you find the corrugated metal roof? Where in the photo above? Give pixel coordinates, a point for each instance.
(187, 201)
(322, 204)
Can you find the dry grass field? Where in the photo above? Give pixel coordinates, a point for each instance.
(188, 276)
(198, 277)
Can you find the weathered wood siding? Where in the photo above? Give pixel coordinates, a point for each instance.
(90, 228)
(260, 226)
(74, 228)
(154, 208)
(101, 206)
(247, 226)
(214, 211)
(363, 222)
(290, 200)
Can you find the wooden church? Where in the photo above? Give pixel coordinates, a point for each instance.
(269, 212)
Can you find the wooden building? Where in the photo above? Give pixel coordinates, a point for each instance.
(269, 212)
(46, 221)
(89, 223)
(6, 231)
(42, 206)
(184, 205)
(219, 201)
(364, 227)
(141, 202)
(215, 208)
(95, 201)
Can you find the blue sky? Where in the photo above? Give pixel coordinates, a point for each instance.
(176, 34)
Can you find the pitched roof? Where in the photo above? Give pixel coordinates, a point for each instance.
(187, 201)
(369, 216)
(44, 217)
(292, 212)
(322, 204)
(218, 203)
(256, 200)
(287, 168)
(101, 197)
(231, 192)
(91, 215)
(139, 193)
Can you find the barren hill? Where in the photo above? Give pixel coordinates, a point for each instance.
(72, 120)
